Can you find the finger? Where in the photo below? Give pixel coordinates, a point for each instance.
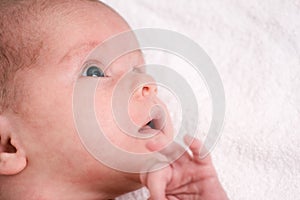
(172, 198)
(195, 145)
(172, 150)
(156, 183)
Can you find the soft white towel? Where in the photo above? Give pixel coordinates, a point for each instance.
(256, 48)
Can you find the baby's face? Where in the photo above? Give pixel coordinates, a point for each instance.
(49, 134)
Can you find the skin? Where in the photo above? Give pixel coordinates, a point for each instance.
(189, 177)
(41, 155)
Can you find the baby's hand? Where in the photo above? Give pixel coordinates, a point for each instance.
(187, 178)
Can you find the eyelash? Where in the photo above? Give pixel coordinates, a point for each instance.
(98, 65)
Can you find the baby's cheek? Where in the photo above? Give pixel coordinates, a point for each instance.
(138, 114)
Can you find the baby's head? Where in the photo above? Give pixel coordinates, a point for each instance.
(43, 50)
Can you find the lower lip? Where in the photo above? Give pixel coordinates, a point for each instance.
(149, 131)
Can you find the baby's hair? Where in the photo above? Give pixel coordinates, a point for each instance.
(21, 39)
(13, 48)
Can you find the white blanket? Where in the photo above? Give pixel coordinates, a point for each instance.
(256, 48)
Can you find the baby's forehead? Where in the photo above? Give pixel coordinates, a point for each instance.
(73, 35)
(80, 49)
(122, 47)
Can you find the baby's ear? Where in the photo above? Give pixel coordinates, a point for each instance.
(12, 155)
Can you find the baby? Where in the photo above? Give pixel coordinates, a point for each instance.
(43, 47)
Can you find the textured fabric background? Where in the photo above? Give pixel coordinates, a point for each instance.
(256, 48)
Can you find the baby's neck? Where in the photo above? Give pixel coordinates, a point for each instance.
(50, 191)
(45, 188)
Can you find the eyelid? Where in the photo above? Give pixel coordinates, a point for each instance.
(89, 63)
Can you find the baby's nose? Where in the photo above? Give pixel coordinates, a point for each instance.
(148, 89)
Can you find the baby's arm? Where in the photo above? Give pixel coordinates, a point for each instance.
(187, 178)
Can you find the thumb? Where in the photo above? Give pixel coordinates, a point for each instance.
(156, 182)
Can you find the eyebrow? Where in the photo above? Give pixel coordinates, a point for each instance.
(79, 49)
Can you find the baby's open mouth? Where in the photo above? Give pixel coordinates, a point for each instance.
(150, 125)
(154, 125)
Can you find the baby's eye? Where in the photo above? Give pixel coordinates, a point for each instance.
(93, 70)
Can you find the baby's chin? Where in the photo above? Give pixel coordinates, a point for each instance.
(134, 144)
(147, 134)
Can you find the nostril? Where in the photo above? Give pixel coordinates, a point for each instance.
(146, 90)
(155, 90)
(149, 90)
